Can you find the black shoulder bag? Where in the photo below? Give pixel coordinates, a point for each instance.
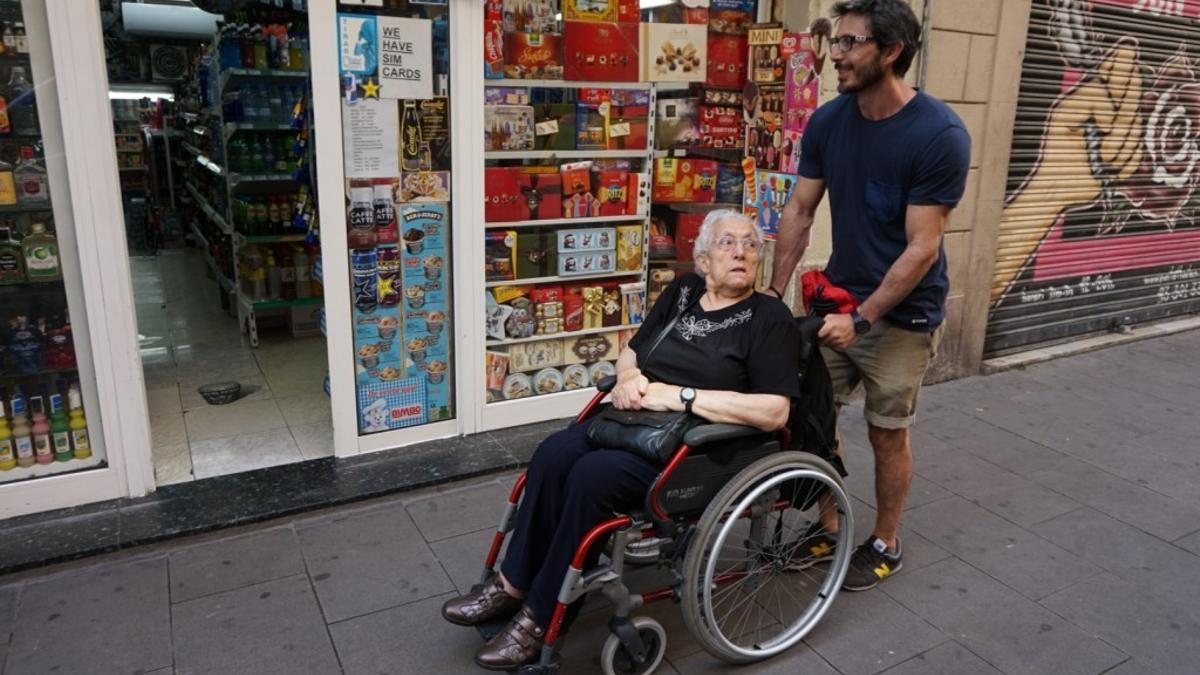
(650, 434)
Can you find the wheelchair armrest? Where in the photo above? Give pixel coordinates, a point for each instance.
(607, 383)
(711, 433)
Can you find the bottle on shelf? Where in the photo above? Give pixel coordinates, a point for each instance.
(410, 138)
(21, 432)
(41, 254)
(8, 455)
(362, 233)
(60, 430)
(231, 49)
(43, 449)
(287, 273)
(22, 108)
(8, 184)
(24, 347)
(255, 280)
(303, 273)
(9, 38)
(12, 258)
(259, 48)
(5, 123)
(81, 445)
(22, 38)
(274, 278)
(33, 186)
(247, 43)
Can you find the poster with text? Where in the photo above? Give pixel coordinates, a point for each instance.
(385, 57)
(371, 136)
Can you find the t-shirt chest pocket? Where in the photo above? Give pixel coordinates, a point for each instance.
(883, 201)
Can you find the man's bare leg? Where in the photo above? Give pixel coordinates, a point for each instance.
(893, 474)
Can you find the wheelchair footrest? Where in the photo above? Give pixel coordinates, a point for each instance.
(538, 669)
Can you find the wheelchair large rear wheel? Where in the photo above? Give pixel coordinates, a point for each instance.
(750, 586)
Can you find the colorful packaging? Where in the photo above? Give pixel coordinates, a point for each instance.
(424, 186)
(500, 255)
(587, 239)
(534, 56)
(600, 52)
(727, 56)
(390, 405)
(554, 126)
(594, 262)
(493, 39)
(384, 211)
(536, 255)
(433, 117)
(729, 184)
(535, 355)
(578, 200)
(388, 267)
(610, 190)
(766, 60)
(530, 16)
(684, 180)
(633, 303)
(674, 52)
(573, 308)
(803, 88)
(687, 228)
(677, 123)
(508, 127)
(639, 194)
(764, 132)
(364, 270)
(731, 17)
(596, 347)
(721, 127)
(590, 10)
(591, 125)
(774, 190)
(629, 247)
(542, 188)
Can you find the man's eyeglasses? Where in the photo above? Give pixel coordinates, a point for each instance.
(749, 244)
(845, 43)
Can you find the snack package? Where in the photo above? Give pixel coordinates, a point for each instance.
(687, 228)
(493, 39)
(590, 10)
(674, 52)
(731, 17)
(639, 194)
(554, 126)
(684, 180)
(499, 252)
(662, 245)
(721, 126)
(600, 51)
(677, 123)
(533, 56)
(766, 60)
(629, 247)
(610, 190)
(530, 16)
(508, 127)
(727, 56)
(633, 303)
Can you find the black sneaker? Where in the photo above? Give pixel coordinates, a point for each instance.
(816, 545)
(871, 564)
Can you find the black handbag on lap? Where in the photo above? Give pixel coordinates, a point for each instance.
(652, 435)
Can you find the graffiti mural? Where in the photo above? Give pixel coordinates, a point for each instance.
(1101, 224)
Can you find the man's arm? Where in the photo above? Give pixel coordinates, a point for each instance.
(795, 228)
(924, 226)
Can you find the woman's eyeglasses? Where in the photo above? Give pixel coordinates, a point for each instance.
(845, 43)
(749, 244)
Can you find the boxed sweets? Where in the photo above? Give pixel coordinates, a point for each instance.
(591, 126)
(730, 183)
(732, 17)
(687, 228)
(600, 52)
(542, 188)
(500, 255)
(633, 303)
(578, 200)
(638, 194)
(727, 56)
(766, 58)
(629, 248)
(662, 245)
(493, 39)
(721, 127)
(590, 10)
(586, 239)
(554, 126)
(533, 56)
(536, 255)
(588, 262)
(530, 16)
(684, 180)
(610, 190)
(764, 133)
(629, 112)
(674, 52)
(493, 95)
(508, 127)
(521, 193)
(677, 123)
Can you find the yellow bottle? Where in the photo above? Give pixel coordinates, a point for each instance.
(8, 184)
(8, 459)
(81, 446)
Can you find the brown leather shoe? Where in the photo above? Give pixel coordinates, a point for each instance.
(519, 643)
(489, 603)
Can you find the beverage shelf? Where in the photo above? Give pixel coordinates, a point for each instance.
(566, 84)
(235, 73)
(269, 238)
(565, 154)
(19, 287)
(236, 179)
(38, 470)
(555, 279)
(232, 127)
(208, 209)
(278, 304)
(26, 208)
(599, 220)
(562, 334)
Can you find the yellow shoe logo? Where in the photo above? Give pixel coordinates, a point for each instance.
(882, 571)
(821, 549)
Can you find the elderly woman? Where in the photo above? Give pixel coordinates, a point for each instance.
(730, 357)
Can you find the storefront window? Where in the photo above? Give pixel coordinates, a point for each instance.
(395, 70)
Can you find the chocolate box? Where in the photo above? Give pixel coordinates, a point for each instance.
(493, 40)
(674, 52)
(677, 123)
(687, 228)
(628, 121)
(629, 247)
(590, 127)
(536, 254)
(721, 127)
(554, 126)
(732, 17)
(590, 10)
(530, 16)
(514, 193)
(533, 56)
(600, 51)
(578, 200)
(588, 262)
(727, 56)
(499, 255)
(508, 127)
(684, 180)
(543, 193)
(638, 195)
(586, 239)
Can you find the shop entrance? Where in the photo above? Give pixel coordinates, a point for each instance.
(211, 116)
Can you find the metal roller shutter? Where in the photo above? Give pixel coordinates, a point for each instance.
(1101, 225)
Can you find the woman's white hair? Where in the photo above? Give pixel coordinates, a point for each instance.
(708, 228)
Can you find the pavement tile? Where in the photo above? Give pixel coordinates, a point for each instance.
(1006, 630)
(860, 465)
(948, 658)
(462, 557)
(582, 645)
(1133, 555)
(226, 564)
(1020, 559)
(272, 627)
(1190, 542)
(867, 632)
(799, 659)
(450, 514)
(403, 640)
(1004, 493)
(8, 610)
(919, 551)
(1133, 504)
(1159, 633)
(364, 562)
(114, 615)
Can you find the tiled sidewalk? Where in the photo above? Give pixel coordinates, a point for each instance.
(1053, 527)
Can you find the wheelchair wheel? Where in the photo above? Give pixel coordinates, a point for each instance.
(749, 589)
(615, 660)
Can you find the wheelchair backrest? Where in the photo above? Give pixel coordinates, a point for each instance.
(694, 483)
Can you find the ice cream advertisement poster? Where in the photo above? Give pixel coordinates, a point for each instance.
(772, 190)
(384, 406)
(803, 86)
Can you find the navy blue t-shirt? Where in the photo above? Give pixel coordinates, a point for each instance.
(872, 172)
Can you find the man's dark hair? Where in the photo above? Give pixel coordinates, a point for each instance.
(891, 22)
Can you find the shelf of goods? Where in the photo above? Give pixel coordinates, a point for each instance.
(550, 336)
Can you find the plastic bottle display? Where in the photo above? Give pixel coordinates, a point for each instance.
(21, 433)
(8, 456)
(33, 187)
(12, 259)
(22, 108)
(8, 184)
(303, 273)
(60, 431)
(43, 449)
(24, 348)
(81, 446)
(41, 254)
(362, 218)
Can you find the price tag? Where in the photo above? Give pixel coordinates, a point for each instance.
(546, 128)
(618, 130)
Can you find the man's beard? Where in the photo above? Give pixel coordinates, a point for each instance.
(867, 75)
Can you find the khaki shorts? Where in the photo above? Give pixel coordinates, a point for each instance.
(890, 363)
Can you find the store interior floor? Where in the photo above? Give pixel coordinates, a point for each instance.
(283, 414)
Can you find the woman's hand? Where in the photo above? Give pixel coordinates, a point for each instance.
(661, 397)
(631, 387)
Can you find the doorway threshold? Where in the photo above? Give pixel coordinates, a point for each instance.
(242, 498)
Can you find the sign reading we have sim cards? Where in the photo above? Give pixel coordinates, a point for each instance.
(385, 56)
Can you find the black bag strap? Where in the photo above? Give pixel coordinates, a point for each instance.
(671, 324)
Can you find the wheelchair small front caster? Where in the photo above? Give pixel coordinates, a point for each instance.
(617, 658)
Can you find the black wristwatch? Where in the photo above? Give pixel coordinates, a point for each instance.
(688, 396)
(861, 325)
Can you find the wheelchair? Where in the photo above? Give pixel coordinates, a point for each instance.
(727, 517)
